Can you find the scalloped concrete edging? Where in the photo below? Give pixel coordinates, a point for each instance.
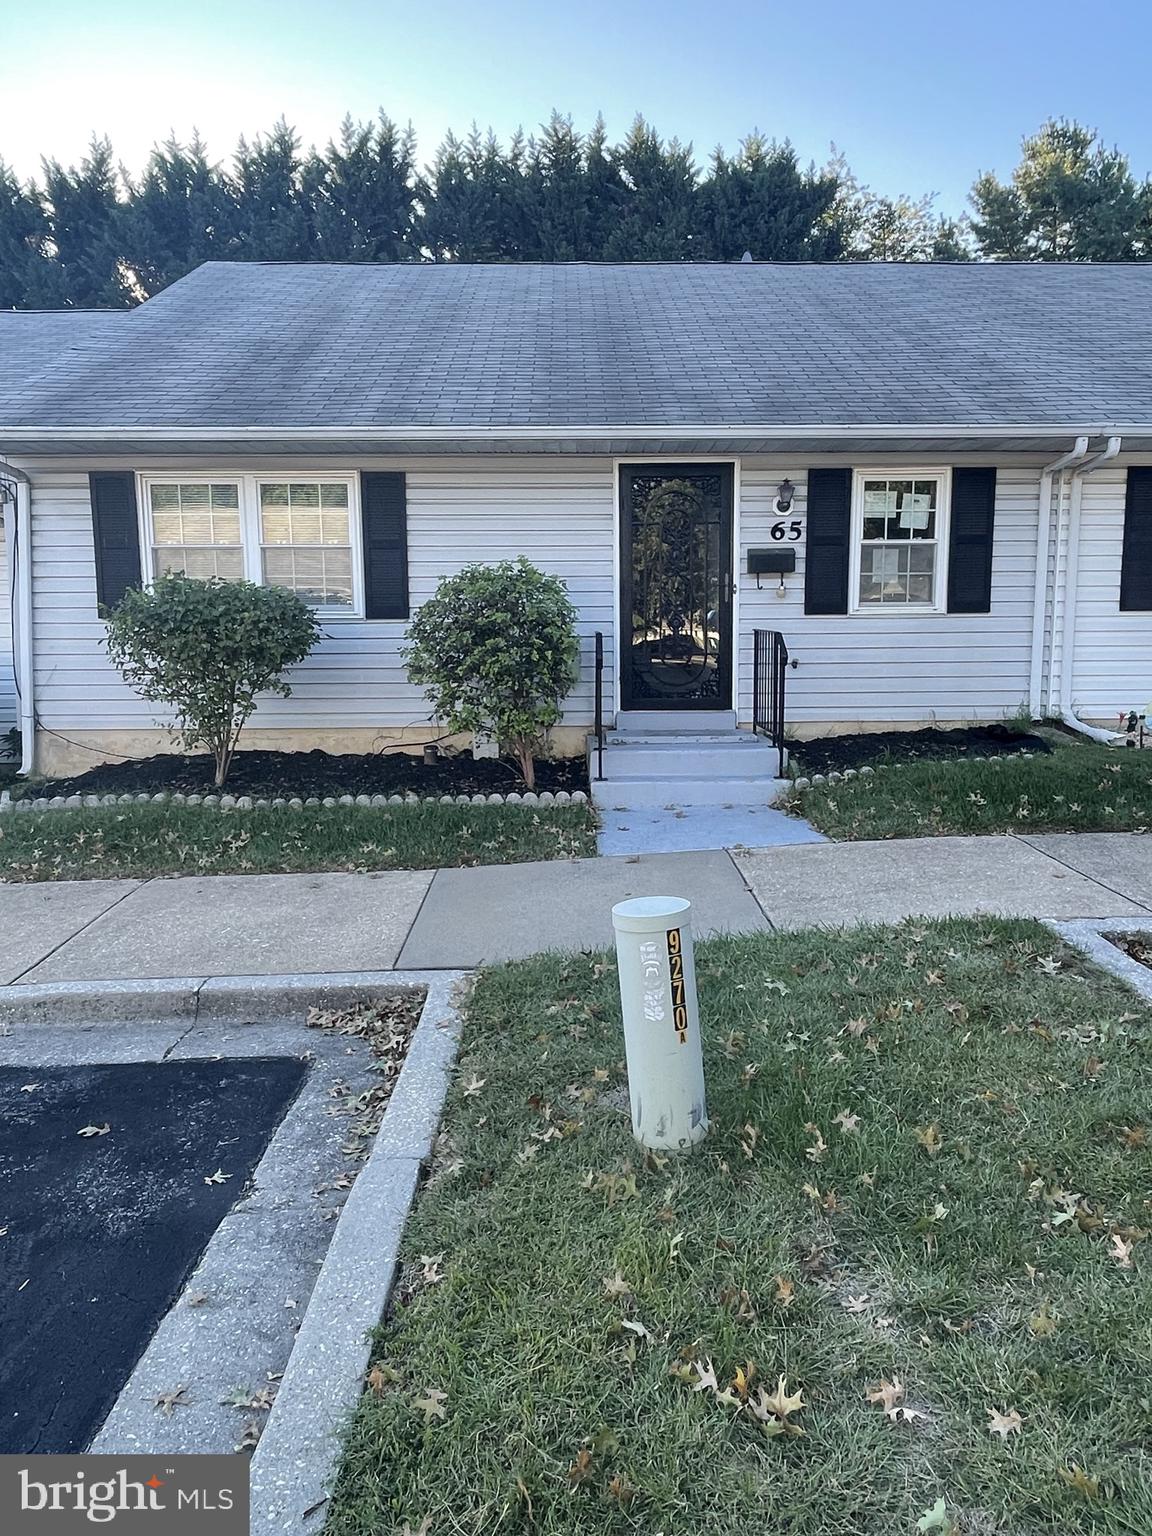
(820, 780)
(246, 802)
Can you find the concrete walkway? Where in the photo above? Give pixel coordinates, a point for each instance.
(243, 925)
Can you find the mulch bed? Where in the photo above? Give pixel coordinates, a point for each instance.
(829, 754)
(304, 774)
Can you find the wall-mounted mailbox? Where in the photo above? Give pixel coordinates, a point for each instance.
(765, 562)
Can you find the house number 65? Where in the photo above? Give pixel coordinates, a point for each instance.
(790, 531)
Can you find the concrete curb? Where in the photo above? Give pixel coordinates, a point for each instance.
(197, 999)
(529, 798)
(1087, 935)
(296, 1457)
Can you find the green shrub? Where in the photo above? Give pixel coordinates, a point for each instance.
(495, 652)
(207, 649)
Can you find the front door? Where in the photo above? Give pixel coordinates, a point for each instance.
(676, 586)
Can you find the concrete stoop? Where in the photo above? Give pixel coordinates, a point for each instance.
(664, 760)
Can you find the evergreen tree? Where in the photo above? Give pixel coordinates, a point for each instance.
(180, 213)
(658, 206)
(759, 200)
(273, 221)
(87, 230)
(1069, 199)
(475, 203)
(362, 193)
(554, 196)
(27, 272)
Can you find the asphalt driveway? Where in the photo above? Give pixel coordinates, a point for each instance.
(112, 1180)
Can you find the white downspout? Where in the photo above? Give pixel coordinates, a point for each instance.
(1040, 594)
(18, 541)
(1072, 571)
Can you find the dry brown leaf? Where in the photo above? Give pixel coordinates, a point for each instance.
(1003, 1424)
(785, 1291)
(616, 1285)
(167, 1401)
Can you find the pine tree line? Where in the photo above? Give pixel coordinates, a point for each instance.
(95, 236)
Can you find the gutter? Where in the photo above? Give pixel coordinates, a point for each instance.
(1075, 454)
(1069, 605)
(18, 542)
(724, 432)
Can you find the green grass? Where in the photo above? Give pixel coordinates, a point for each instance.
(984, 1257)
(145, 840)
(1079, 788)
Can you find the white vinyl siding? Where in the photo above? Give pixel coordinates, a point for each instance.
(1112, 668)
(854, 670)
(861, 668)
(556, 512)
(8, 703)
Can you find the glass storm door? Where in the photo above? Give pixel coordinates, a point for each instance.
(676, 586)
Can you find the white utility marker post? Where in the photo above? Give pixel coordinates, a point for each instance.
(661, 1021)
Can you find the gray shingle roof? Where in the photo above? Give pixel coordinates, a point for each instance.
(269, 345)
(32, 340)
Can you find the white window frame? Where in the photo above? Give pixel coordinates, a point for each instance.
(248, 486)
(939, 604)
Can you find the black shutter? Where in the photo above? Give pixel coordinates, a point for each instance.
(115, 534)
(973, 517)
(829, 530)
(384, 517)
(1136, 561)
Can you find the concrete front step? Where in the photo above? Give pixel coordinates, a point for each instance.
(631, 793)
(682, 722)
(691, 758)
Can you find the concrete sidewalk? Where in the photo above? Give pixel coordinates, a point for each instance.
(238, 925)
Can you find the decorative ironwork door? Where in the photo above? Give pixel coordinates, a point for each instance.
(676, 586)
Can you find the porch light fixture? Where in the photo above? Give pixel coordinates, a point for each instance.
(782, 590)
(784, 494)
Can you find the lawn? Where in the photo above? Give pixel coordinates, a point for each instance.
(917, 1225)
(1079, 787)
(143, 840)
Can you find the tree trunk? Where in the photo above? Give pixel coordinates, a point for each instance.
(527, 764)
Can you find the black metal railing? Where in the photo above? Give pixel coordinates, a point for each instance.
(598, 726)
(769, 671)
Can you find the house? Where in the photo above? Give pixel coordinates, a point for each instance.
(933, 481)
(29, 342)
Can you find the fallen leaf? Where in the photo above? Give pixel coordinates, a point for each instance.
(430, 1271)
(633, 1325)
(1077, 1478)
(381, 1376)
(431, 1405)
(94, 1130)
(167, 1401)
(705, 1377)
(425, 1526)
(929, 1138)
(621, 1490)
(616, 1285)
(936, 1519)
(856, 1303)
(1003, 1424)
(1120, 1248)
(219, 1177)
(847, 1122)
(197, 1298)
(581, 1469)
(785, 1291)
(886, 1395)
(474, 1086)
(1042, 1324)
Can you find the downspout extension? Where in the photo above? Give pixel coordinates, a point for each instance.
(18, 539)
(1077, 452)
(1072, 571)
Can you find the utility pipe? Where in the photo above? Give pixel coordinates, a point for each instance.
(18, 539)
(1071, 574)
(1078, 451)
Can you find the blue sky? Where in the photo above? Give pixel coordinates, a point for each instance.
(919, 96)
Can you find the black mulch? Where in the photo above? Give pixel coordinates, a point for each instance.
(835, 753)
(304, 774)
(102, 1231)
